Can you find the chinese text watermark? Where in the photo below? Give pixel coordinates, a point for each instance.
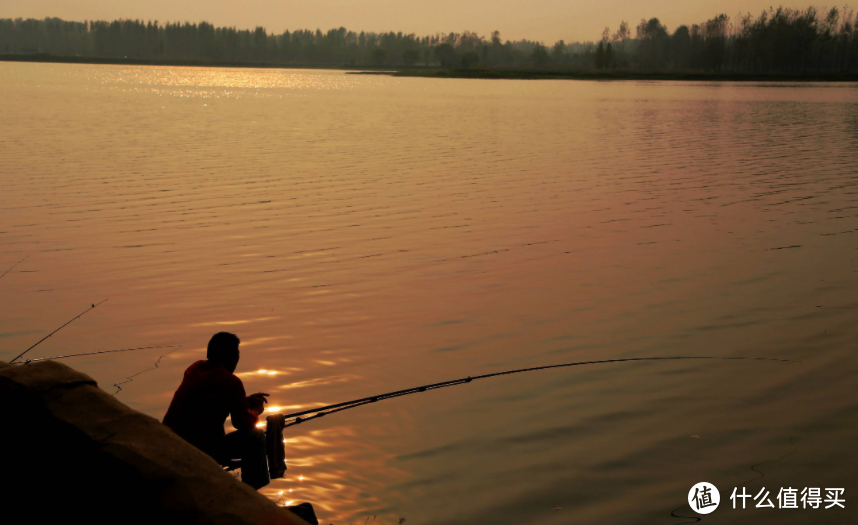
(703, 498)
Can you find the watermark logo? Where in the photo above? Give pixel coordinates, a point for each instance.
(704, 498)
(790, 498)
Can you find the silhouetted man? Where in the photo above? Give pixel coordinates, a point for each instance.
(209, 392)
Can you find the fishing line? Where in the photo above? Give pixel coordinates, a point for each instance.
(673, 514)
(131, 377)
(36, 360)
(55, 331)
(13, 267)
(339, 407)
(762, 474)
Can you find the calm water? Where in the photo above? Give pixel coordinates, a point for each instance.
(365, 234)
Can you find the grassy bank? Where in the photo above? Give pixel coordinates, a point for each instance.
(65, 59)
(554, 74)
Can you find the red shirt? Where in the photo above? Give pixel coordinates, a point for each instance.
(208, 393)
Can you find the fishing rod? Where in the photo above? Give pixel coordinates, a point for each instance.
(36, 360)
(75, 318)
(297, 418)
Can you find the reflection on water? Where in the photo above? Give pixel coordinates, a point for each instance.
(365, 234)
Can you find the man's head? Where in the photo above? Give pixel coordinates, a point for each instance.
(223, 350)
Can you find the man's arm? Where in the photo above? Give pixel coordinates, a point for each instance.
(243, 418)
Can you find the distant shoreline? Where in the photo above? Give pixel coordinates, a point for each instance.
(535, 74)
(432, 72)
(66, 59)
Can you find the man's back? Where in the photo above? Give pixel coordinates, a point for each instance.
(207, 395)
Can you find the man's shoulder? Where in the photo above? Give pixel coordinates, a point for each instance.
(196, 367)
(234, 379)
(208, 372)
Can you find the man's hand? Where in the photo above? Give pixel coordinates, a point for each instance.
(257, 402)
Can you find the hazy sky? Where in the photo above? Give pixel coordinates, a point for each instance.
(547, 20)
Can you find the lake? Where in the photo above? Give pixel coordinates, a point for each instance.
(363, 234)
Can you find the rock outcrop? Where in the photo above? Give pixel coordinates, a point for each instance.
(73, 453)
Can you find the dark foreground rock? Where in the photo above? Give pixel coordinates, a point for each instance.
(73, 454)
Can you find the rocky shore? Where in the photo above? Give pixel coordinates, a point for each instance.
(73, 453)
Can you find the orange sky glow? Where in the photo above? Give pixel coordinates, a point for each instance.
(545, 20)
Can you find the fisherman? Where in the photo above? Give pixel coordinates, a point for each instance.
(209, 392)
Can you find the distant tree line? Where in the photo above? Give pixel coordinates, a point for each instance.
(779, 40)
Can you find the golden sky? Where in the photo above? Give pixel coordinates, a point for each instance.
(546, 20)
